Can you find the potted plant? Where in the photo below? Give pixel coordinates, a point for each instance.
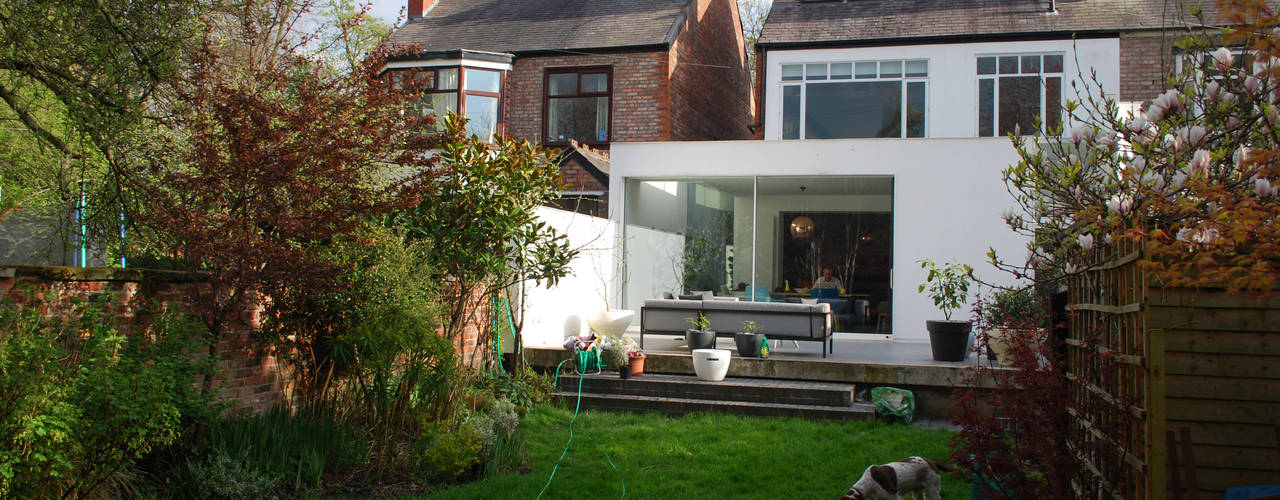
(635, 357)
(614, 354)
(700, 336)
(749, 340)
(1014, 316)
(948, 286)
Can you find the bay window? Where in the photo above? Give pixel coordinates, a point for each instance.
(473, 92)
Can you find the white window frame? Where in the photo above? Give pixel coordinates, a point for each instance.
(995, 77)
(804, 81)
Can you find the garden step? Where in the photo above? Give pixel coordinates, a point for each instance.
(681, 406)
(749, 390)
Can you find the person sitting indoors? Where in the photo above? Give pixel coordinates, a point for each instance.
(827, 280)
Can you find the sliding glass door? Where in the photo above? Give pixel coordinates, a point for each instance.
(822, 239)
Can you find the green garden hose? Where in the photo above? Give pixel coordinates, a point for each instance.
(577, 406)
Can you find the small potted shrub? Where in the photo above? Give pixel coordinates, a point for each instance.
(635, 357)
(614, 354)
(700, 336)
(1014, 317)
(749, 340)
(948, 286)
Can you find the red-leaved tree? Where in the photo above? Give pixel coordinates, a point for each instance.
(272, 155)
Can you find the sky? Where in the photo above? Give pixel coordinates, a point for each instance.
(388, 10)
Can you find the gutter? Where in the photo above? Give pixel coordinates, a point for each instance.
(932, 40)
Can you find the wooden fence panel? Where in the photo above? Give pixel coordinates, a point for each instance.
(1211, 362)
(1116, 364)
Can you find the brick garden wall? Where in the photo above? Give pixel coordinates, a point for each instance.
(710, 82)
(247, 375)
(254, 380)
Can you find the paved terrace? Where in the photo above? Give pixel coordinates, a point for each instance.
(864, 363)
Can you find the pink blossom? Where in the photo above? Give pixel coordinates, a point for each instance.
(1233, 122)
(1193, 135)
(1205, 236)
(1155, 112)
(1211, 91)
(1081, 132)
(1178, 180)
(1137, 123)
(1223, 58)
(1168, 100)
(1262, 187)
(1251, 84)
(1085, 241)
(1120, 205)
(1107, 238)
(1200, 162)
(1241, 155)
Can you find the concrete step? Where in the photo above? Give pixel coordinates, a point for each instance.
(681, 406)
(744, 390)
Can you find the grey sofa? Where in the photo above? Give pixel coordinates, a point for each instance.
(808, 322)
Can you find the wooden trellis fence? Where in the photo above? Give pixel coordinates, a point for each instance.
(1116, 366)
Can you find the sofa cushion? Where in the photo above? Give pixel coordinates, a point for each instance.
(779, 307)
(673, 304)
(695, 296)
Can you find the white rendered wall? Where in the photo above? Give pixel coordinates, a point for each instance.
(948, 199)
(591, 278)
(952, 91)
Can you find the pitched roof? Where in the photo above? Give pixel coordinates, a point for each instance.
(594, 161)
(539, 25)
(793, 22)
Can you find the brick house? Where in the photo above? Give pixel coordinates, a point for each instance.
(584, 75)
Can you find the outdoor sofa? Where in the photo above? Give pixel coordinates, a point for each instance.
(777, 320)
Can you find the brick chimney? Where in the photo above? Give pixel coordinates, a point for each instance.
(419, 7)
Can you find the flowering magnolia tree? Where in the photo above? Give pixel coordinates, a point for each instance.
(1193, 176)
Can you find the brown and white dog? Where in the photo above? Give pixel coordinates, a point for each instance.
(890, 481)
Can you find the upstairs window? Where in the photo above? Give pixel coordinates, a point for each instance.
(1014, 90)
(577, 105)
(473, 92)
(480, 90)
(854, 99)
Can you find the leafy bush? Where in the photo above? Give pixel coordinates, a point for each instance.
(220, 476)
(84, 401)
(1017, 308)
(524, 389)
(446, 457)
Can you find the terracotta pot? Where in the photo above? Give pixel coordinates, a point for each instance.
(637, 366)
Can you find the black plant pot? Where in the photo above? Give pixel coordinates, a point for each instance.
(624, 372)
(949, 339)
(748, 344)
(699, 339)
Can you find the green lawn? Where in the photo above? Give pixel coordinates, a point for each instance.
(704, 456)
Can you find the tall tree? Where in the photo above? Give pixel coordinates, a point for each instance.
(273, 156)
(78, 80)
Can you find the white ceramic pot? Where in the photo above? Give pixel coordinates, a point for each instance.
(610, 323)
(711, 364)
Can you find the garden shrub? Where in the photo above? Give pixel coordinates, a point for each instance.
(84, 400)
(449, 456)
(220, 476)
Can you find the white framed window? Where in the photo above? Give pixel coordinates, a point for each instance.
(854, 99)
(1015, 89)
